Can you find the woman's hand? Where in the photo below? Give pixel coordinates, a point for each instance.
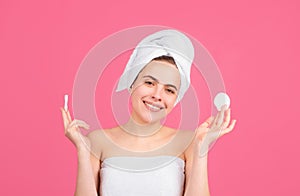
(212, 129)
(72, 131)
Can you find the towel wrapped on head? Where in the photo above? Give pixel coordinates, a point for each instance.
(162, 43)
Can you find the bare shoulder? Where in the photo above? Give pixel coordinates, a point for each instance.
(98, 141)
(181, 141)
(188, 137)
(185, 135)
(101, 141)
(101, 134)
(96, 135)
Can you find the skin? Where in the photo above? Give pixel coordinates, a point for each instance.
(153, 95)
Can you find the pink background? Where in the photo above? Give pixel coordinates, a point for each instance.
(255, 43)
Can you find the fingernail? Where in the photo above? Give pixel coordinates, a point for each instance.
(224, 107)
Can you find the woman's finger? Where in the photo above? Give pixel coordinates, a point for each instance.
(232, 125)
(65, 118)
(229, 129)
(79, 123)
(226, 119)
(207, 123)
(203, 128)
(69, 116)
(220, 116)
(215, 119)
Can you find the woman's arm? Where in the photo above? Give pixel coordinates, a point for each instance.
(87, 182)
(88, 165)
(196, 173)
(196, 154)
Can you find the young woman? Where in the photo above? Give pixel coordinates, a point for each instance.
(142, 156)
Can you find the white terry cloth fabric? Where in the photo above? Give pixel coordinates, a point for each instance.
(168, 179)
(168, 43)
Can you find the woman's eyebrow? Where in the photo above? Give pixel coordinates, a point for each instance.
(170, 85)
(151, 77)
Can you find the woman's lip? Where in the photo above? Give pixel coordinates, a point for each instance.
(151, 104)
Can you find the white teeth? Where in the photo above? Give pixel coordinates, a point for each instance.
(152, 106)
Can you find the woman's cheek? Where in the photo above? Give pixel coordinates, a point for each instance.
(170, 104)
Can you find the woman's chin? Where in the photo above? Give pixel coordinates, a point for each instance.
(147, 118)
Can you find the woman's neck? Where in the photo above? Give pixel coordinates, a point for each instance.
(141, 130)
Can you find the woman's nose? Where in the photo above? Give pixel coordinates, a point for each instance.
(157, 93)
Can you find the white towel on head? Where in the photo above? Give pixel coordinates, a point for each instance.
(162, 43)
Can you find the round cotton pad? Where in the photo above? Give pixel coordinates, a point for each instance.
(221, 99)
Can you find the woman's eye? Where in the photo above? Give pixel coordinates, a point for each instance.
(171, 91)
(149, 82)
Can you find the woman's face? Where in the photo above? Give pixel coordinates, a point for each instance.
(154, 92)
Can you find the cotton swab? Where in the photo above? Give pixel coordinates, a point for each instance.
(66, 102)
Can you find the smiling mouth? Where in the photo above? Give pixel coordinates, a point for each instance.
(151, 107)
